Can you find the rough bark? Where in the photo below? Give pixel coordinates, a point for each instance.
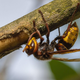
(16, 33)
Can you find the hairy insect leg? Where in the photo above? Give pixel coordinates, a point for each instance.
(66, 59)
(63, 51)
(74, 13)
(47, 35)
(38, 32)
(72, 19)
(59, 31)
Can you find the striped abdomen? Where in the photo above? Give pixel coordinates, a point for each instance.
(71, 37)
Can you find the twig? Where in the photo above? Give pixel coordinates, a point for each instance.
(56, 13)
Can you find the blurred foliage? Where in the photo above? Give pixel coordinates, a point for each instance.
(79, 34)
(73, 78)
(61, 71)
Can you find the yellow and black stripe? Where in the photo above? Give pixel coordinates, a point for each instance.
(71, 37)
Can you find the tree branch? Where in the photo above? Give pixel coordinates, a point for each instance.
(56, 13)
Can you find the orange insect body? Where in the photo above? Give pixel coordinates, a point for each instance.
(32, 46)
(45, 51)
(68, 41)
